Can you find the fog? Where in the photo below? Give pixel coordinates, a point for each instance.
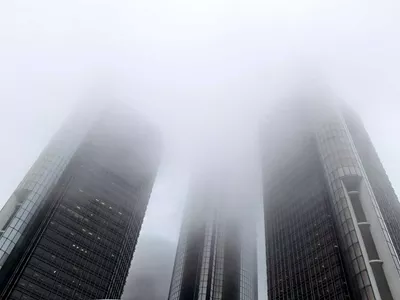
(153, 270)
(198, 69)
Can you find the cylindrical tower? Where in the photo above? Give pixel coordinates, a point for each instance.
(372, 262)
(216, 251)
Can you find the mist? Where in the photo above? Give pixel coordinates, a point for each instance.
(199, 70)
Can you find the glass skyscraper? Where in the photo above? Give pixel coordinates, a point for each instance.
(216, 254)
(69, 230)
(331, 215)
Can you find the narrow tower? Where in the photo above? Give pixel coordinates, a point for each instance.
(216, 255)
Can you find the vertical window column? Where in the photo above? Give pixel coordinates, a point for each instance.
(352, 185)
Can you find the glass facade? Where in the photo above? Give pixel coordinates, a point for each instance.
(216, 254)
(29, 196)
(303, 256)
(380, 183)
(79, 242)
(326, 235)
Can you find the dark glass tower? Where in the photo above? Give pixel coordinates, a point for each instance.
(331, 215)
(70, 228)
(216, 254)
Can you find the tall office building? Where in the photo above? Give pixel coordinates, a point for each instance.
(331, 215)
(70, 228)
(216, 254)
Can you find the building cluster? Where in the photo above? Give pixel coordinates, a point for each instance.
(331, 216)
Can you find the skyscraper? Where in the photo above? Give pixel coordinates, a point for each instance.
(216, 254)
(70, 228)
(331, 215)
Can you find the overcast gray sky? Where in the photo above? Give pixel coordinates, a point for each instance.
(190, 65)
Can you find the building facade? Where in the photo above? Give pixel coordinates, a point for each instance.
(216, 254)
(331, 215)
(69, 230)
